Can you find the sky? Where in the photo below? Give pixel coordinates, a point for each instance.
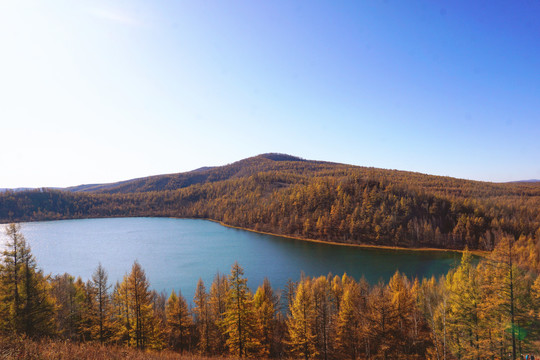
(102, 91)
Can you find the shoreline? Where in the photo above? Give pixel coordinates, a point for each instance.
(365, 246)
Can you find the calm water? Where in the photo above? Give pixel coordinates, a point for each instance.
(176, 252)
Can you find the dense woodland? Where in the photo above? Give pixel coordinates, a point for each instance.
(485, 311)
(285, 195)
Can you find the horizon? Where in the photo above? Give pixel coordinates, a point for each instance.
(216, 166)
(104, 91)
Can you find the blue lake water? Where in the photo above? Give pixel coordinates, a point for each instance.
(175, 253)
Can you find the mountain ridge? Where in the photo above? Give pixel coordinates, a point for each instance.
(259, 163)
(287, 195)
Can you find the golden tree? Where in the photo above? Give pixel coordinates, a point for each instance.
(300, 323)
(179, 322)
(239, 322)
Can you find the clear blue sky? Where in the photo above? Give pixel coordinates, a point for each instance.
(101, 91)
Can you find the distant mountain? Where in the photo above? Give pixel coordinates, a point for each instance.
(14, 189)
(527, 181)
(287, 195)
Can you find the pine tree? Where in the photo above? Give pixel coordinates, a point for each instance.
(239, 322)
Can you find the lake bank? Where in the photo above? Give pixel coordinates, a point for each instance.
(177, 252)
(365, 246)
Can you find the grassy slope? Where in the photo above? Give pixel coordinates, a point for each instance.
(24, 348)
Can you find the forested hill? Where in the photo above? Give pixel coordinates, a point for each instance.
(239, 169)
(287, 195)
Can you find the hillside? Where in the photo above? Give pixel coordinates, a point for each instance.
(242, 168)
(287, 195)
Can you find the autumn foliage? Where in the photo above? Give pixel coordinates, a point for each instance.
(316, 200)
(477, 311)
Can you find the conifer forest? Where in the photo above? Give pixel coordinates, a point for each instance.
(489, 310)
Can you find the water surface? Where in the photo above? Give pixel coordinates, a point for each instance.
(176, 252)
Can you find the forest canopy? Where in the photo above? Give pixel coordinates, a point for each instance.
(290, 196)
(490, 310)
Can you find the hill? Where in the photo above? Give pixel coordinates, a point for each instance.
(239, 169)
(287, 195)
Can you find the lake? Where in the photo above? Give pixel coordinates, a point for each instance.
(176, 252)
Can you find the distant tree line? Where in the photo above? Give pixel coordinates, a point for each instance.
(327, 202)
(491, 310)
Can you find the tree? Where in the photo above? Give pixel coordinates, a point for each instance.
(349, 325)
(464, 310)
(300, 323)
(512, 286)
(202, 315)
(218, 303)
(69, 298)
(133, 311)
(324, 315)
(239, 321)
(265, 304)
(101, 312)
(380, 321)
(140, 302)
(433, 300)
(404, 308)
(178, 322)
(121, 312)
(26, 305)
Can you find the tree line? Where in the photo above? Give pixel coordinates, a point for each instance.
(490, 310)
(318, 201)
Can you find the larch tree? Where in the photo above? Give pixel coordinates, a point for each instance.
(381, 322)
(300, 323)
(69, 301)
(140, 302)
(404, 307)
(433, 299)
(288, 295)
(203, 317)
(179, 322)
(464, 310)
(218, 303)
(265, 303)
(121, 312)
(102, 309)
(26, 305)
(348, 324)
(513, 288)
(239, 323)
(325, 311)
